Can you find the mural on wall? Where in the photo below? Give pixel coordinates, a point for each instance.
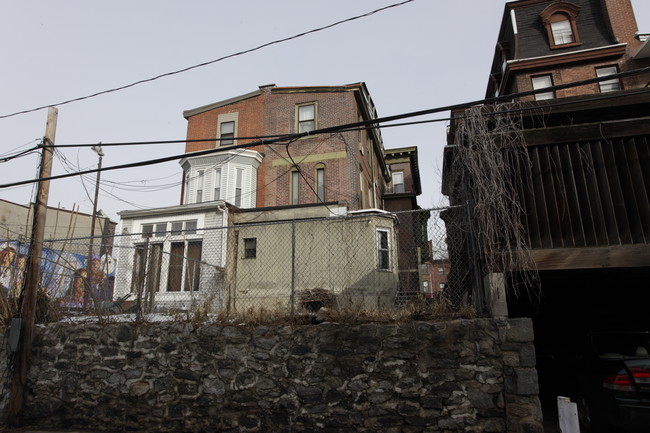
(70, 278)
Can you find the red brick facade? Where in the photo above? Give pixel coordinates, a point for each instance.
(353, 164)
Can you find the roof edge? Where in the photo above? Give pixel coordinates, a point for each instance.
(194, 111)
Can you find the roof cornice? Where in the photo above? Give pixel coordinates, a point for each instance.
(571, 57)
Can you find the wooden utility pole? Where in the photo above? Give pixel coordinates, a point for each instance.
(16, 402)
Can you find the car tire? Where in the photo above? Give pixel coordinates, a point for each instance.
(590, 422)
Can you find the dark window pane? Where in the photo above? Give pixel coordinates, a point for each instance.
(227, 133)
(190, 227)
(193, 270)
(250, 248)
(175, 267)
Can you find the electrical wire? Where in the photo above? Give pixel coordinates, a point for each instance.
(199, 65)
(19, 154)
(18, 147)
(367, 123)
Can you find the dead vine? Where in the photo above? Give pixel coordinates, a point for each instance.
(490, 164)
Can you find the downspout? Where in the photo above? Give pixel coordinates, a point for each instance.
(372, 174)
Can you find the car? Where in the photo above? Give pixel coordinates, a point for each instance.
(612, 381)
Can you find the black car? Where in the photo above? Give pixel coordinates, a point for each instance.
(612, 371)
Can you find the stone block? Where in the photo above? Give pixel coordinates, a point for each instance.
(520, 331)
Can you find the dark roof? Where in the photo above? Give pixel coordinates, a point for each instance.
(532, 36)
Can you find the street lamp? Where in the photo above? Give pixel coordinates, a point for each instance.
(98, 150)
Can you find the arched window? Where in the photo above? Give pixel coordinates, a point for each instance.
(559, 18)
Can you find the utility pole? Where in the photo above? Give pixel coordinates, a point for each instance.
(15, 405)
(98, 150)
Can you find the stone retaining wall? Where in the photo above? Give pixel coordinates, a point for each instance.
(459, 376)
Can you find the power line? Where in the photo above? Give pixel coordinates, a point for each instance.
(19, 154)
(372, 123)
(189, 68)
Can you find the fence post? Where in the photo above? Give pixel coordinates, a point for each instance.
(143, 268)
(293, 267)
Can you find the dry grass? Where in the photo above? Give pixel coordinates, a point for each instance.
(438, 309)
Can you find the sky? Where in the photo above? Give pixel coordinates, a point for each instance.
(421, 55)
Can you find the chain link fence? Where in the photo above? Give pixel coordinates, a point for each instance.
(363, 261)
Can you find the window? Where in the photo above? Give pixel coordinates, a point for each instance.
(177, 228)
(148, 278)
(562, 33)
(199, 186)
(161, 230)
(383, 251)
(217, 184)
(239, 180)
(187, 188)
(320, 184)
(441, 270)
(306, 117)
(250, 248)
(226, 133)
(398, 182)
(190, 227)
(559, 18)
(608, 85)
(178, 262)
(295, 187)
(147, 230)
(361, 195)
(193, 266)
(542, 82)
(175, 270)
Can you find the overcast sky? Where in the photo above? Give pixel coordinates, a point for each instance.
(421, 55)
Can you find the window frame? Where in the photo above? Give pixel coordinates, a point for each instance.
(320, 181)
(239, 186)
(225, 118)
(610, 81)
(294, 187)
(559, 12)
(250, 248)
(230, 136)
(216, 190)
(384, 262)
(314, 119)
(542, 96)
(394, 184)
(200, 183)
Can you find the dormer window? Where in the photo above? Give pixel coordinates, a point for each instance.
(561, 30)
(559, 19)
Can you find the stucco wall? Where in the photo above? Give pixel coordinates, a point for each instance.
(458, 376)
(334, 254)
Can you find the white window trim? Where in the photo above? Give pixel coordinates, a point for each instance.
(388, 249)
(398, 173)
(603, 71)
(537, 86)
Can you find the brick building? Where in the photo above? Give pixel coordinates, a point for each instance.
(401, 197)
(232, 240)
(579, 173)
(546, 43)
(343, 166)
